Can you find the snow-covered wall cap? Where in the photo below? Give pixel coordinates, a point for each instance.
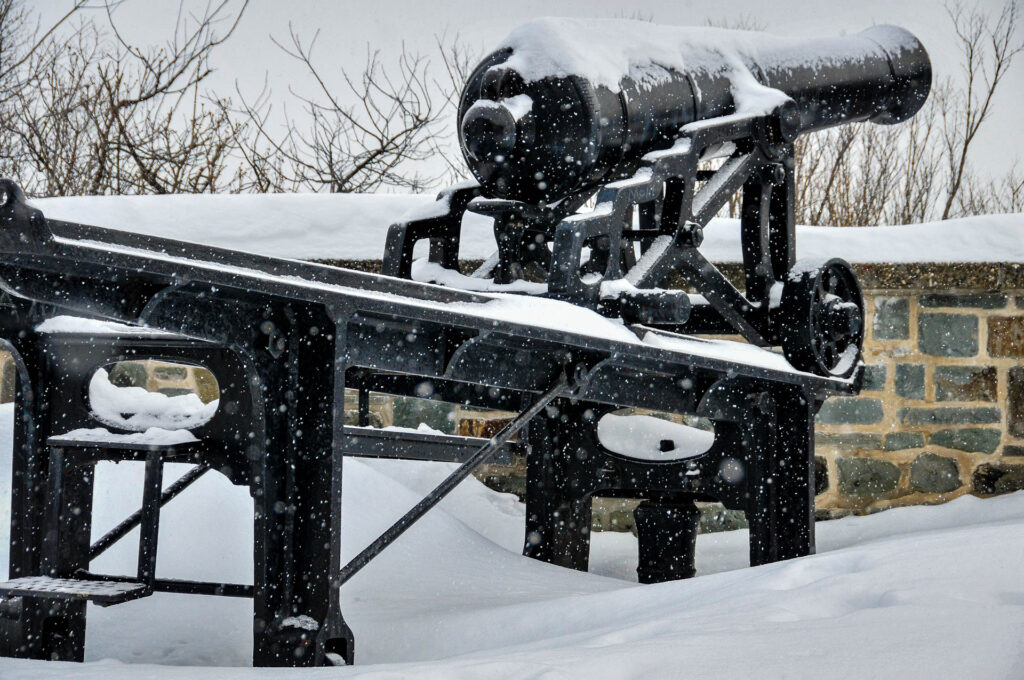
(985, 238)
(298, 226)
(354, 227)
(604, 51)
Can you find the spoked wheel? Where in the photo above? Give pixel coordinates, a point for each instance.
(821, 318)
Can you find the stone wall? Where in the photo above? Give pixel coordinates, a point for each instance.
(941, 413)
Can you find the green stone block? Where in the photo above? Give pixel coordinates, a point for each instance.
(931, 473)
(891, 319)
(410, 412)
(175, 391)
(128, 374)
(715, 518)
(897, 441)
(910, 381)
(996, 478)
(979, 300)
(973, 440)
(952, 415)
(948, 335)
(965, 383)
(170, 372)
(866, 477)
(851, 411)
(849, 441)
(874, 378)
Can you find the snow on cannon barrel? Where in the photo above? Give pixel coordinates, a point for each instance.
(564, 105)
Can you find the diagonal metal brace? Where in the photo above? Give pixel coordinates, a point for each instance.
(561, 387)
(135, 519)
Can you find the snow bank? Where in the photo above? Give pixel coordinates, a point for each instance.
(354, 227)
(138, 409)
(924, 591)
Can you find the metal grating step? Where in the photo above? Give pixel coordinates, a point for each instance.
(101, 592)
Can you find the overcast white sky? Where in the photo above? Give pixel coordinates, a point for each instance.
(347, 27)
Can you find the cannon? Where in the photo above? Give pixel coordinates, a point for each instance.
(581, 313)
(532, 131)
(563, 114)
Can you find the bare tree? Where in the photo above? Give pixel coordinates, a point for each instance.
(921, 169)
(368, 136)
(987, 50)
(103, 116)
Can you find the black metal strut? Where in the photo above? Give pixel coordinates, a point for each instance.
(451, 481)
(133, 520)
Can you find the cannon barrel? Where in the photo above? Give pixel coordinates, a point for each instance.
(537, 126)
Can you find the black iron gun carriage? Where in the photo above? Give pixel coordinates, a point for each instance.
(585, 309)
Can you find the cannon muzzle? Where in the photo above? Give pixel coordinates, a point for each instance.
(565, 105)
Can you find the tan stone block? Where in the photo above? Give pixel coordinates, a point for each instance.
(1006, 336)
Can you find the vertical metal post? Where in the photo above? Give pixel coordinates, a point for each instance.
(150, 525)
(54, 503)
(364, 406)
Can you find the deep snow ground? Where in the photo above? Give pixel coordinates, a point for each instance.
(926, 592)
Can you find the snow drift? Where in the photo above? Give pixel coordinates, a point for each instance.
(920, 592)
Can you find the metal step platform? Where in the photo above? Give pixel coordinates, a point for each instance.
(103, 593)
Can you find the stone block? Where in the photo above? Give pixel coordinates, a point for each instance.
(979, 300)
(8, 378)
(865, 477)
(1013, 450)
(1015, 401)
(874, 378)
(897, 441)
(352, 418)
(910, 381)
(931, 473)
(1006, 336)
(206, 385)
(997, 478)
(714, 518)
(965, 383)
(128, 374)
(950, 415)
(848, 441)
(175, 391)
(173, 372)
(970, 439)
(851, 411)
(410, 412)
(820, 476)
(891, 320)
(948, 335)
